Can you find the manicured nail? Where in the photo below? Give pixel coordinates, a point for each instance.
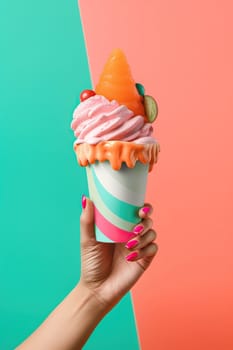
(138, 229)
(131, 244)
(84, 201)
(146, 210)
(132, 256)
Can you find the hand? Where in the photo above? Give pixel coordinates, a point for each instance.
(109, 270)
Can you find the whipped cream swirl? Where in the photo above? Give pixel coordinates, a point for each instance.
(97, 119)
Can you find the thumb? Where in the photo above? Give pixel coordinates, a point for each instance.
(87, 221)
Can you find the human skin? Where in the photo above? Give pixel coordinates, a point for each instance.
(108, 272)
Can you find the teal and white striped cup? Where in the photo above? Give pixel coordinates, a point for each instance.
(117, 195)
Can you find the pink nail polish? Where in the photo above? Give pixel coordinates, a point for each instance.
(84, 201)
(131, 256)
(131, 244)
(138, 229)
(146, 210)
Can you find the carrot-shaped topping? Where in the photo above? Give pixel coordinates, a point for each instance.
(116, 83)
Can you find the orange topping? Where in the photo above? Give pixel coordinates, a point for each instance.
(117, 152)
(116, 83)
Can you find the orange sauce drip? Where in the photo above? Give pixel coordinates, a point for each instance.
(117, 152)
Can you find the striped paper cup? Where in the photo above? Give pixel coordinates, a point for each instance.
(117, 196)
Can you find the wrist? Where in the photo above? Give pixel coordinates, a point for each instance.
(90, 299)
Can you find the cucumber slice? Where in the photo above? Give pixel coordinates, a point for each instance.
(151, 108)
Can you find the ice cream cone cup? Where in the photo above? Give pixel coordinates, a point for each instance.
(117, 196)
(115, 145)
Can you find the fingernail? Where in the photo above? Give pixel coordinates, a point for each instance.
(131, 244)
(146, 210)
(131, 256)
(138, 229)
(84, 201)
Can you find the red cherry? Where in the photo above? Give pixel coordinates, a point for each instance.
(85, 94)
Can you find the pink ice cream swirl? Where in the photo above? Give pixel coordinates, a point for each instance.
(97, 119)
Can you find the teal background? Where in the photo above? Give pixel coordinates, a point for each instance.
(43, 68)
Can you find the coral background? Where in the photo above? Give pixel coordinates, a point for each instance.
(182, 53)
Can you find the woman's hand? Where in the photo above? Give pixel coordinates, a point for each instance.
(109, 270)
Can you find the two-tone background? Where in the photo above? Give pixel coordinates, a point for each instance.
(182, 53)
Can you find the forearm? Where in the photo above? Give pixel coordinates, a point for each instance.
(69, 325)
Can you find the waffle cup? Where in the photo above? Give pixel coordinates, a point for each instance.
(117, 176)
